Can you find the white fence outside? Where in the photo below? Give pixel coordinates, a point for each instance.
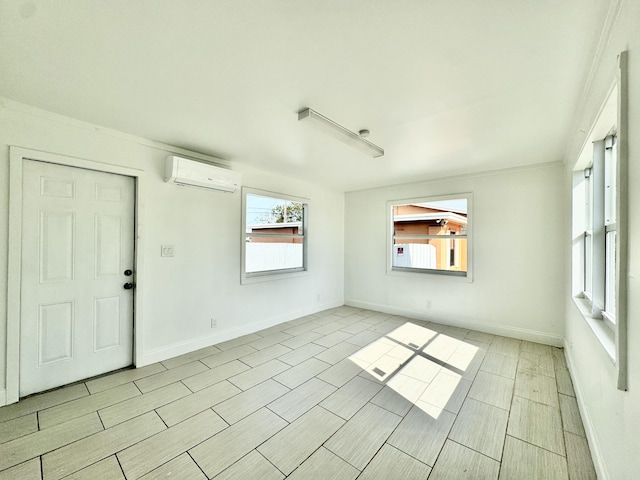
(272, 256)
(414, 255)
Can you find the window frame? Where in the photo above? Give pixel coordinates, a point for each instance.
(281, 273)
(608, 160)
(451, 239)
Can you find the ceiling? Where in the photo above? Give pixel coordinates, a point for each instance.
(445, 86)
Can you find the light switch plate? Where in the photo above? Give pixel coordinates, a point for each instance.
(167, 251)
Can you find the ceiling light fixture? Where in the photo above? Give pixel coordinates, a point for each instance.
(341, 133)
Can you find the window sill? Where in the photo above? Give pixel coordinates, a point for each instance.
(430, 274)
(268, 277)
(600, 329)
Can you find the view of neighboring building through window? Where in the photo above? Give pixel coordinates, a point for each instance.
(430, 235)
(274, 233)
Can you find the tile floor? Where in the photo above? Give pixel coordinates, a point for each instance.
(342, 394)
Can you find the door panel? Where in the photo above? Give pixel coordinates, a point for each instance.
(78, 239)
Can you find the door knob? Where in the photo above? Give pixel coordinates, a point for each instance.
(128, 273)
(128, 286)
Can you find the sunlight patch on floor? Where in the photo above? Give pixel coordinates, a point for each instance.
(422, 365)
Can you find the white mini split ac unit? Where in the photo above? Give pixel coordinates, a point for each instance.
(183, 171)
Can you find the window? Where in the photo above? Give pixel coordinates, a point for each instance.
(599, 245)
(599, 226)
(431, 235)
(274, 236)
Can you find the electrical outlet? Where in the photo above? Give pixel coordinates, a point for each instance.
(214, 322)
(167, 251)
(428, 304)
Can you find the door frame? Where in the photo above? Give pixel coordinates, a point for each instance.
(17, 155)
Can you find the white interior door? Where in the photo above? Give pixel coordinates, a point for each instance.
(76, 317)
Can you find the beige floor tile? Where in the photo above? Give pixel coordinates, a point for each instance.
(375, 319)
(112, 380)
(252, 465)
(505, 346)
(409, 387)
(262, 356)
(302, 372)
(107, 469)
(579, 458)
(446, 391)
(227, 447)
(536, 387)
(123, 411)
(571, 419)
(368, 354)
(247, 402)
(180, 468)
(191, 357)
(351, 397)
(360, 438)
(537, 348)
(391, 400)
(340, 373)
(76, 456)
(498, 364)
(76, 408)
(170, 376)
(421, 435)
(384, 367)
(186, 407)
(324, 465)
(363, 338)
(390, 463)
(412, 335)
(522, 460)
(559, 360)
(215, 375)
(301, 399)
(270, 340)
(18, 427)
(421, 368)
(480, 336)
(329, 327)
(25, 471)
(149, 454)
(301, 354)
(534, 363)
(537, 424)
(564, 383)
(300, 329)
(37, 443)
(355, 328)
(492, 389)
(292, 445)
(332, 339)
(466, 361)
(481, 427)
(259, 374)
(457, 462)
(302, 339)
(227, 356)
(236, 342)
(337, 353)
(441, 348)
(42, 401)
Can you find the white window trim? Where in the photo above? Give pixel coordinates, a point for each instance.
(400, 271)
(611, 335)
(270, 275)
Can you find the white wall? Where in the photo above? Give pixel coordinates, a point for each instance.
(518, 266)
(611, 417)
(179, 295)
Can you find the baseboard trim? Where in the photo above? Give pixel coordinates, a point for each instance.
(592, 439)
(495, 329)
(170, 351)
